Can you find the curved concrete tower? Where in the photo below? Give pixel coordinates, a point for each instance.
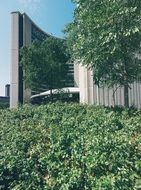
(24, 32)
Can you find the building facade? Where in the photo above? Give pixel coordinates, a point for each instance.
(92, 94)
(24, 32)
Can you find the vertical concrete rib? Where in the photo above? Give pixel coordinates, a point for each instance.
(14, 92)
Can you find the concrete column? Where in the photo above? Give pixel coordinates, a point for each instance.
(86, 85)
(14, 78)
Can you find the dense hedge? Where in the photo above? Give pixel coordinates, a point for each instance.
(4, 105)
(70, 147)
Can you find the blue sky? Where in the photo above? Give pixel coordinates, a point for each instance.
(50, 15)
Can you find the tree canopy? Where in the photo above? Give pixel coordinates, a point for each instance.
(106, 37)
(45, 64)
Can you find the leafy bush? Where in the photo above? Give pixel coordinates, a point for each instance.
(70, 147)
(4, 105)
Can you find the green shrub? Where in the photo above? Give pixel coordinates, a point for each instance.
(4, 105)
(70, 147)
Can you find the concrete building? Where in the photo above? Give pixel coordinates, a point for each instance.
(24, 32)
(92, 94)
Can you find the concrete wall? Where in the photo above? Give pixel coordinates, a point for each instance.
(92, 94)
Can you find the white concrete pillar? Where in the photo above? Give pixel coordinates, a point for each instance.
(14, 71)
(86, 85)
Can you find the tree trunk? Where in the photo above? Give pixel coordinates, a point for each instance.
(113, 95)
(126, 96)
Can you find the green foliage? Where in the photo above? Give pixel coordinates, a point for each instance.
(45, 64)
(106, 36)
(4, 105)
(70, 147)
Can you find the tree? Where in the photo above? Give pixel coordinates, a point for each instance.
(45, 64)
(106, 37)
